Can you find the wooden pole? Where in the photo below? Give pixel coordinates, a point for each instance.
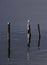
(8, 40)
(39, 36)
(28, 33)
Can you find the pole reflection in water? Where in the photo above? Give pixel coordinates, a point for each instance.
(39, 42)
(28, 46)
(28, 53)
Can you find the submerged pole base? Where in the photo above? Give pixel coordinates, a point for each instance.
(28, 45)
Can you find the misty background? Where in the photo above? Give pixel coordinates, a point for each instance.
(17, 12)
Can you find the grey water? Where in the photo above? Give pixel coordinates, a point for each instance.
(20, 54)
(17, 12)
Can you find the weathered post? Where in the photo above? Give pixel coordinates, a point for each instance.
(39, 36)
(8, 40)
(28, 33)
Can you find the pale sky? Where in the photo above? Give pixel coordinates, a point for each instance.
(18, 12)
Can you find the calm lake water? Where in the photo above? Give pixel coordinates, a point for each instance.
(20, 53)
(17, 12)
